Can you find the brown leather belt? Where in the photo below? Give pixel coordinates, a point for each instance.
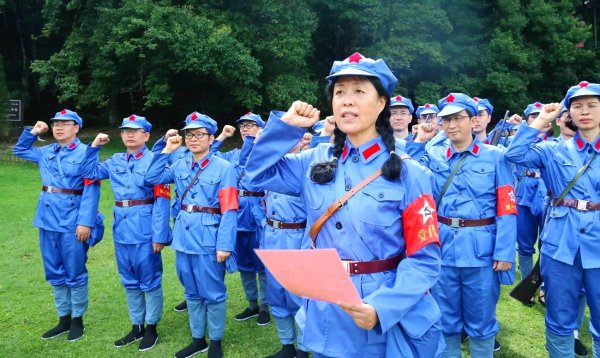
(200, 209)
(457, 222)
(281, 225)
(128, 203)
(362, 267)
(532, 174)
(52, 190)
(582, 205)
(242, 192)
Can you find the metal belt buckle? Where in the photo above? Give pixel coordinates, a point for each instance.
(189, 208)
(455, 222)
(582, 205)
(124, 203)
(49, 189)
(346, 265)
(277, 224)
(241, 192)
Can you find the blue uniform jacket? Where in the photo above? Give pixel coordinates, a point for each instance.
(61, 167)
(531, 192)
(372, 225)
(482, 188)
(135, 224)
(566, 230)
(198, 232)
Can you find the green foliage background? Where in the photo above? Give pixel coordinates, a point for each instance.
(166, 58)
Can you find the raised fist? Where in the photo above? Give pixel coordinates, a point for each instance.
(39, 128)
(173, 143)
(549, 112)
(515, 119)
(171, 133)
(228, 131)
(425, 132)
(329, 126)
(301, 114)
(101, 139)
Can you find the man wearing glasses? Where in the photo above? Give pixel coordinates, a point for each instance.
(66, 212)
(205, 227)
(251, 216)
(401, 110)
(140, 229)
(477, 226)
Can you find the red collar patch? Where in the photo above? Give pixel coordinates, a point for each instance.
(367, 153)
(72, 146)
(579, 143)
(344, 152)
(204, 163)
(475, 149)
(448, 153)
(139, 155)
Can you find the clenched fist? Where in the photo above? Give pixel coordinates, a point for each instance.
(329, 126)
(301, 115)
(101, 139)
(173, 143)
(39, 128)
(171, 133)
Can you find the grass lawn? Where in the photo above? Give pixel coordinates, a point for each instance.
(27, 310)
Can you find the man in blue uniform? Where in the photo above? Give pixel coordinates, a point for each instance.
(66, 212)
(570, 258)
(484, 117)
(140, 229)
(477, 215)
(401, 110)
(204, 232)
(250, 227)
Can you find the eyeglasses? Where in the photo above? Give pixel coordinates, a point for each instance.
(196, 135)
(61, 124)
(247, 125)
(454, 119)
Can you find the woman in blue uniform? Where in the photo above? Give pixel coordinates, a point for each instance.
(387, 232)
(570, 257)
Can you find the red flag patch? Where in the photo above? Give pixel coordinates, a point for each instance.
(162, 190)
(507, 203)
(87, 181)
(419, 220)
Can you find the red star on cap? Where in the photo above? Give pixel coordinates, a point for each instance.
(355, 57)
(194, 116)
(247, 114)
(475, 99)
(398, 98)
(63, 112)
(427, 105)
(583, 84)
(132, 118)
(538, 104)
(450, 98)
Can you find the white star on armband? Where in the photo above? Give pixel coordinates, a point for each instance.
(426, 211)
(511, 196)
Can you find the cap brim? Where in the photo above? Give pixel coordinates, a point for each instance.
(584, 92)
(449, 109)
(193, 126)
(350, 71)
(133, 125)
(63, 118)
(482, 108)
(537, 110)
(428, 111)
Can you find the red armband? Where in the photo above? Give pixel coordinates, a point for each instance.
(162, 190)
(506, 200)
(419, 221)
(228, 199)
(87, 182)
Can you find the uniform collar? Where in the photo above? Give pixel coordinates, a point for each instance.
(72, 145)
(368, 151)
(137, 155)
(474, 149)
(203, 162)
(580, 143)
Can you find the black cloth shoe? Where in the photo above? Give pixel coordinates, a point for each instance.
(182, 307)
(301, 354)
(264, 318)
(63, 326)
(198, 345)
(496, 345)
(215, 350)
(247, 314)
(76, 330)
(136, 333)
(150, 338)
(580, 350)
(286, 351)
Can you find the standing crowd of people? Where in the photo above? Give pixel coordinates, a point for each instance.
(428, 221)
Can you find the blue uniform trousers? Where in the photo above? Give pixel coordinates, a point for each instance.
(563, 288)
(528, 227)
(64, 259)
(250, 266)
(467, 297)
